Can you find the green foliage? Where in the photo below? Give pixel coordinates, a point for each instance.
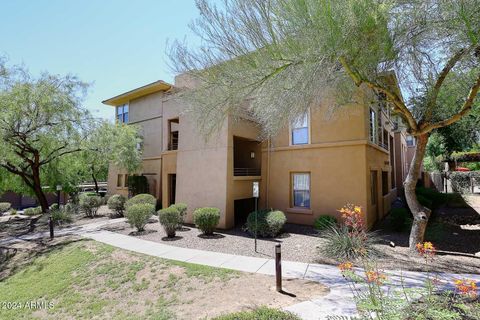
(169, 218)
(269, 222)
(437, 199)
(425, 201)
(182, 209)
(32, 211)
(260, 313)
(343, 245)
(206, 219)
(137, 184)
(13, 212)
(54, 206)
(138, 214)
(400, 219)
(117, 204)
(4, 207)
(89, 203)
(461, 181)
(140, 199)
(61, 216)
(323, 222)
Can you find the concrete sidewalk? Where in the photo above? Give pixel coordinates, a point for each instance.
(339, 302)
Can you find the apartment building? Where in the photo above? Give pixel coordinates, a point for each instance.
(314, 167)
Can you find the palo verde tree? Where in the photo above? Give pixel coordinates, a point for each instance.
(107, 143)
(41, 121)
(285, 56)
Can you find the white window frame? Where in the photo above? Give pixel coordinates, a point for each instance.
(309, 133)
(121, 111)
(292, 186)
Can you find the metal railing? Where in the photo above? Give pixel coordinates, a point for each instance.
(246, 171)
(173, 146)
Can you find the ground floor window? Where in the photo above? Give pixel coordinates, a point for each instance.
(385, 186)
(122, 180)
(301, 189)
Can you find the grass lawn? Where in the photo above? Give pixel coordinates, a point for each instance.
(89, 280)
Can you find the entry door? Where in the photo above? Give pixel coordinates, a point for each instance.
(172, 186)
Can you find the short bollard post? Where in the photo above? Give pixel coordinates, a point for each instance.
(50, 225)
(278, 266)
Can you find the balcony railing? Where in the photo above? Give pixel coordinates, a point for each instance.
(246, 172)
(173, 145)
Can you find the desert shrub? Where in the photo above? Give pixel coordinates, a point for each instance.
(169, 218)
(343, 245)
(269, 223)
(141, 199)
(13, 212)
(260, 313)
(71, 208)
(182, 210)
(138, 214)
(117, 204)
(461, 181)
(323, 222)
(438, 199)
(89, 203)
(60, 216)
(4, 207)
(32, 211)
(54, 206)
(206, 219)
(400, 218)
(349, 241)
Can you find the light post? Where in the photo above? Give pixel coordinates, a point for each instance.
(256, 192)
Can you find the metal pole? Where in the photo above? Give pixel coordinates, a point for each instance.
(50, 225)
(278, 266)
(256, 223)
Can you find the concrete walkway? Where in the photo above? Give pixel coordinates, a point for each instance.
(339, 302)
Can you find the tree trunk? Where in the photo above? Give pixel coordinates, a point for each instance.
(97, 189)
(37, 188)
(419, 212)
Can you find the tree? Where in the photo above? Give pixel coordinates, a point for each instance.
(108, 143)
(285, 56)
(41, 122)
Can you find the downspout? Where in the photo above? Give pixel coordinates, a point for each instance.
(268, 174)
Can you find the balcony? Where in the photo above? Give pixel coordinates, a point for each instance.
(247, 159)
(243, 172)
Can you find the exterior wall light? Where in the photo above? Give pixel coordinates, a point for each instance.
(252, 155)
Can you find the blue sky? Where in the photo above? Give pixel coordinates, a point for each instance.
(116, 45)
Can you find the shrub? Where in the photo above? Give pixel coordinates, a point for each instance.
(182, 210)
(54, 206)
(425, 201)
(13, 212)
(60, 216)
(323, 222)
(437, 198)
(138, 214)
(137, 185)
(268, 224)
(169, 218)
(261, 313)
(4, 207)
(117, 204)
(400, 218)
(89, 203)
(71, 208)
(32, 211)
(206, 219)
(343, 245)
(141, 199)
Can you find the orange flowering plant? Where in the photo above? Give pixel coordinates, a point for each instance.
(467, 287)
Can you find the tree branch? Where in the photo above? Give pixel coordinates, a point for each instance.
(392, 96)
(467, 106)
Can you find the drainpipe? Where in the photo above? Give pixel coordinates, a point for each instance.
(268, 174)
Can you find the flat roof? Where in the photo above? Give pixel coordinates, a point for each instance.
(150, 88)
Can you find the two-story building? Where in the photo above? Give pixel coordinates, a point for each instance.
(318, 164)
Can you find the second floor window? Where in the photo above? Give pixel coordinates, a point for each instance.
(300, 130)
(122, 113)
(410, 141)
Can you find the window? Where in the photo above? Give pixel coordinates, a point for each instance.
(301, 190)
(373, 125)
(410, 141)
(122, 113)
(300, 130)
(386, 136)
(173, 126)
(120, 180)
(385, 183)
(125, 182)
